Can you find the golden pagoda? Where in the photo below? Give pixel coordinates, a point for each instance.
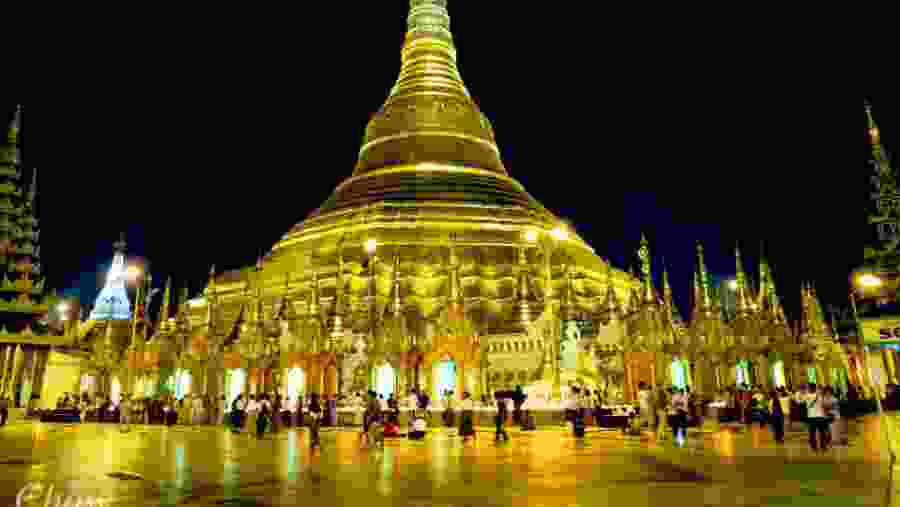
(430, 261)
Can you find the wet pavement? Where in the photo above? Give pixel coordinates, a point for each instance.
(158, 466)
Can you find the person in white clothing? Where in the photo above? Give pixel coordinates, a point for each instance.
(819, 407)
(645, 402)
(252, 413)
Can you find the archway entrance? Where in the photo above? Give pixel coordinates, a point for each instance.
(444, 377)
(115, 391)
(296, 383)
(182, 383)
(778, 377)
(742, 373)
(234, 384)
(679, 374)
(385, 380)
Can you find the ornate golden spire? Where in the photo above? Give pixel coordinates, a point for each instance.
(15, 126)
(703, 278)
(429, 115)
(164, 311)
(649, 292)
(744, 304)
(667, 289)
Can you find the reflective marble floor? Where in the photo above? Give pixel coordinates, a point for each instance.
(208, 466)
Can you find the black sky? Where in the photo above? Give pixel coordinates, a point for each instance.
(207, 141)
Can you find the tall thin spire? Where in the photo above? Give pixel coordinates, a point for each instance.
(15, 126)
(741, 292)
(429, 115)
(648, 295)
(164, 310)
(703, 278)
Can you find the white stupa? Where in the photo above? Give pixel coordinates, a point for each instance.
(112, 302)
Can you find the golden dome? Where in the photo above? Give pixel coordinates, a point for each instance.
(429, 115)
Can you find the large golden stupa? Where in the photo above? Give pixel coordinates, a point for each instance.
(428, 254)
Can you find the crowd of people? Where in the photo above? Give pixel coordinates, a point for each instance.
(816, 407)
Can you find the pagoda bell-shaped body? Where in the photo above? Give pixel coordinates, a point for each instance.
(112, 302)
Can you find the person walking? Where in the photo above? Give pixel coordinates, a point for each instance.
(263, 415)
(277, 417)
(662, 414)
(500, 420)
(645, 404)
(315, 420)
(838, 433)
(818, 410)
(252, 411)
(4, 410)
(776, 416)
(518, 401)
(467, 418)
(678, 414)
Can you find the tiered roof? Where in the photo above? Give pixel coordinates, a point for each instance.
(23, 299)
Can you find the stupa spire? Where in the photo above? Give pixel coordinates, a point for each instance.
(878, 153)
(15, 126)
(703, 279)
(429, 115)
(649, 292)
(164, 310)
(744, 304)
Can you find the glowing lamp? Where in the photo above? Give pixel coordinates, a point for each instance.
(874, 133)
(732, 284)
(371, 245)
(869, 281)
(133, 272)
(531, 236)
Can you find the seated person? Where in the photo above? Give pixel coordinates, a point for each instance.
(418, 427)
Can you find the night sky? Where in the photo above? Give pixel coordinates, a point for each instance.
(207, 141)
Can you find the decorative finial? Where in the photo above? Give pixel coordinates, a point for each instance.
(120, 246)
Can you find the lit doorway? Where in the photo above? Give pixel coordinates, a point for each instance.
(444, 378)
(236, 379)
(778, 377)
(182, 383)
(296, 383)
(742, 373)
(385, 380)
(679, 374)
(115, 391)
